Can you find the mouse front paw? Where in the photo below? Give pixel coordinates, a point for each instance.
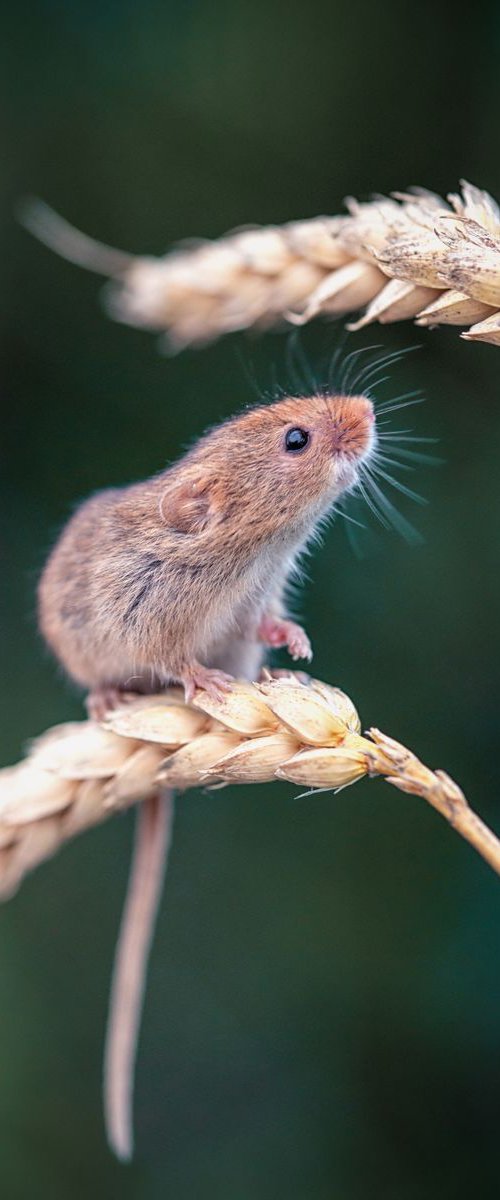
(276, 632)
(209, 679)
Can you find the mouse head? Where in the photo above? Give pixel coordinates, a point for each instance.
(274, 466)
(317, 442)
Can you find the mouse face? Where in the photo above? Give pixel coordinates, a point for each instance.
(301, 453)
(274, 467)
(324, 439)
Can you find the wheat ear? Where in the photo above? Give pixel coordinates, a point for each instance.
(79, 774)
(413, 255)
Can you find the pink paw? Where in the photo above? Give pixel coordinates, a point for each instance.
(215, 683)
(275, 631)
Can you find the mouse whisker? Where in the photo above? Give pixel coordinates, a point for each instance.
(413, 455)
(388, 410)
(406, 400)
(375, 383)
(392, 516)
(415, 392)
(348, 365)
(373, 369)
(339, 511)
(367, 497)
(333, 358)
(377, 457)
(396, 483)
(405, 436)
(299, 366)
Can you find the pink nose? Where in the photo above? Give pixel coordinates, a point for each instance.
(365, 407)
(353, 421)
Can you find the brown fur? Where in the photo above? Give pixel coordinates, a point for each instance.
(148, 579)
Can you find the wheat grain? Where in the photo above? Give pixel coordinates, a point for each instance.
(412, 256)
(79, 774)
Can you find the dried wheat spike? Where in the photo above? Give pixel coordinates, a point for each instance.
(411, 256)
(79, 774)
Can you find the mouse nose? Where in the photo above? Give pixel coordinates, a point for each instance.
(353, 426)
(364, 406)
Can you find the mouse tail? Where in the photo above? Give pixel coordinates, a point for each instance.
(68, 242)
(152, 843)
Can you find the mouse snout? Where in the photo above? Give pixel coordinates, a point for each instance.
(353, 426)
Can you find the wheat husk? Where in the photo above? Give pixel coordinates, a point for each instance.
(288, 728)
(412, 256)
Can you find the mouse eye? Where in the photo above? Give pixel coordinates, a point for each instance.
(296, 439)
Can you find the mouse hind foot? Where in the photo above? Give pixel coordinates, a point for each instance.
(209, 679)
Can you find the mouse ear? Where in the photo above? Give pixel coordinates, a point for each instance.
(185, 506)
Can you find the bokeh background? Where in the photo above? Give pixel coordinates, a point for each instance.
(322, 1017)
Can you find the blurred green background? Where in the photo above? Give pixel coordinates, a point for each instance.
(322, 1018)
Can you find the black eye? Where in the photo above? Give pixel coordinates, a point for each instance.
(296, 439)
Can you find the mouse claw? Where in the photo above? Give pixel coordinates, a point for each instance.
(268, 674)
(276, 631)
(215, 683)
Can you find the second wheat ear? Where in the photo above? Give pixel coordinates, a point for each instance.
(413, 256)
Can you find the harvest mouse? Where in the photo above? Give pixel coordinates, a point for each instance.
(182, 579)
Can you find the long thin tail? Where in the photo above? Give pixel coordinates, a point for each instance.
(70, 243)
(152, 843)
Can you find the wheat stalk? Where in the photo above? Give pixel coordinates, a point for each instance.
(79, 774)
(411, 256)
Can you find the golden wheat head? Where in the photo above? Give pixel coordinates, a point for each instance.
(79, 774)
(411, 256)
